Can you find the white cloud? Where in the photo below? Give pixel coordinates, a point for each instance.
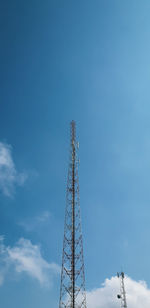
(44, 216)
(9, 177)
(3, 260)
(137, 293)
(33, 223)
(25, 257)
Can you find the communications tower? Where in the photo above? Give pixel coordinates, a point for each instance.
(72, 290)
(122, 295)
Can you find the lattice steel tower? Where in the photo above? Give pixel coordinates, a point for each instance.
(72, 290)
(122, 294)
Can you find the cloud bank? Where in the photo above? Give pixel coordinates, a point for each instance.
(9, 177)
(26, 258)
(137, 293)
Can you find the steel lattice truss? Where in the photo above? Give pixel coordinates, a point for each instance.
(72, 291)
(122, 294)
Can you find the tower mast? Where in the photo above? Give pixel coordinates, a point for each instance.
(72, 290)
(122, 294)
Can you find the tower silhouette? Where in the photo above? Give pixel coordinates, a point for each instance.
(72, 290)
(122, 295)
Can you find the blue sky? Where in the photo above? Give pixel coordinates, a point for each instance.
(88, 61)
